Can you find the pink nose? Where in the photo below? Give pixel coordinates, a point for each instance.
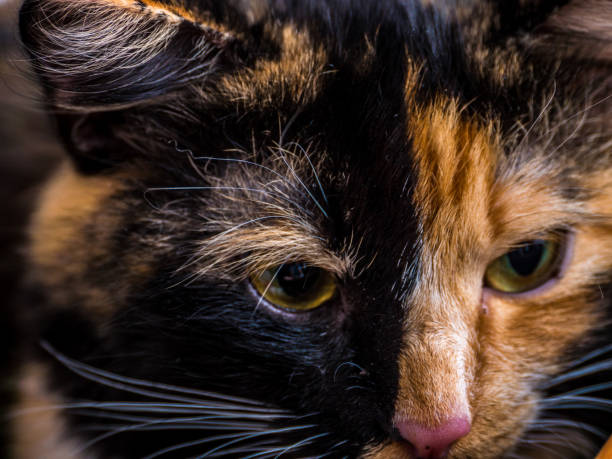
(433, 443)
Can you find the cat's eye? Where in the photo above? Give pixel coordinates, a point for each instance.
(295, 286)
(525, 268)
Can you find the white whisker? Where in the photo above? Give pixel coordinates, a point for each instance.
(250, 163)
(237, 437)
(588, 389)
(241, 450)
(331, 450)
(306, 441)
(314, 171)
(189, 444)
(577, 402)
(283, 449)
(144, 407)
(195, 422)
(539, 117)
(249, 436)
(263, 294)
(209, 422)
(124, 383)
(590, 355)
(564, 423)
(575, 374)
(292, 170)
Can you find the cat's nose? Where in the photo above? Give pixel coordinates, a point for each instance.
(432, 443)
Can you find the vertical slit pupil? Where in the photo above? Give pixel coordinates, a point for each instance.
(526, 259)
(297, 278)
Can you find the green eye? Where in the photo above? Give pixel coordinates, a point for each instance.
(524, 268)
(295, 286)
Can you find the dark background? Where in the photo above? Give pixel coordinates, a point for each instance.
(28, 153)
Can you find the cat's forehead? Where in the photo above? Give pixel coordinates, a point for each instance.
(375, 124)
(403, 152)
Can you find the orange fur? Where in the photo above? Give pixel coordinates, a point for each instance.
(297, 76)
(38, 430)
(474, 206)
(61, 250)
(606, 452)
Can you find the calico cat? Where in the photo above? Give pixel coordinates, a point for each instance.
(307, 228)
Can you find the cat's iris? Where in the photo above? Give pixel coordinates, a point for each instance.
(295, 286)
(524, 268)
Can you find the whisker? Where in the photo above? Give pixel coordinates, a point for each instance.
(209, 422)
(292, 170)
(588, 389)
(164, 427)
(548, 423)
(358, 387)
(540, 441)
(76, 366)
(577, 402)
(202, 188)
(238, 437)
(589, 107)
(248, 437)
(283, 132)
(189, 444)
(588, 370)
(558, 436)
(347, 363)
(279, 194)
(331, 450)
(263, 294)
(314, 171)
(161, 424)
(143, 407)
(117, 417)
(240, 450)
(582, 406)
(154, 394)
(306, 441)
(539, 117)
(590, 355)
(250, 163)
(284, 449)
(276, 193)
(569, 137)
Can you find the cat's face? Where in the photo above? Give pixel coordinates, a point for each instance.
(376, 230)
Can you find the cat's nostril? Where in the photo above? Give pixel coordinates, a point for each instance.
(432, 443)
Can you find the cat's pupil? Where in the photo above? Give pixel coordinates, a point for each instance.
(526, 259)
(297, 279)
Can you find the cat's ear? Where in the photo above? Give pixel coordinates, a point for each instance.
(98, 58)
(582, 27)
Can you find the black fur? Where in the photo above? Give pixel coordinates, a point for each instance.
(340, 375)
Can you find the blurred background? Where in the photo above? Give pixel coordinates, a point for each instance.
(28, 153)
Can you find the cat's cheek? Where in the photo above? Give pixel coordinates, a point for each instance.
(501, 401)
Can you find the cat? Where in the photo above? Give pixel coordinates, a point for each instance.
(306, 228)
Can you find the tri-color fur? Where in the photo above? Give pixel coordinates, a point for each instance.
(400, 145)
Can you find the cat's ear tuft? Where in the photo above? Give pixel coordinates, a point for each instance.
(95, 55)
(97, 59)
(583, 27)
